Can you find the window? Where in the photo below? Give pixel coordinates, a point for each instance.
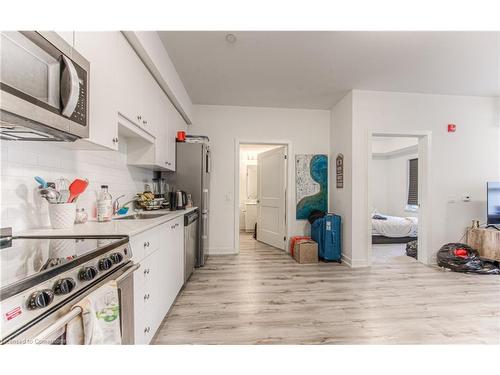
(412, 202)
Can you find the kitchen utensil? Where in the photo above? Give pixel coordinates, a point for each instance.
(76, 188)
(41, 181)
(50, 194)
(62, 186)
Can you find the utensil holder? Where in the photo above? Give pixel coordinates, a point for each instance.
(62, 215)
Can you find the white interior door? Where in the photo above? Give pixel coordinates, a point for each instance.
(271, 187)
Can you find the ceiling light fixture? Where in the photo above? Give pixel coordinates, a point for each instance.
(230, 38)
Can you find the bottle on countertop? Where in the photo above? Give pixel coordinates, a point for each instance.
(104, 205)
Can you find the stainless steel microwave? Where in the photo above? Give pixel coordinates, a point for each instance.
(44, 86)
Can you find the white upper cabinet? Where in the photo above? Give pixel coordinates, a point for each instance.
(150, 93)
(121, 87)
(176, 123)
(100, 48)
(130, 82)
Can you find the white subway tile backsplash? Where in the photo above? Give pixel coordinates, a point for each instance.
(20, 205)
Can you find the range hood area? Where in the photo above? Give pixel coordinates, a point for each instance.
(17, 128)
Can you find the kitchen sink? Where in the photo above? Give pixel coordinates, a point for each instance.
(140, 216)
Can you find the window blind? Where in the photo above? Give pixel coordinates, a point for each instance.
(413, 182)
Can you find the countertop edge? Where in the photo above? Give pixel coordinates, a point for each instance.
(111, 228)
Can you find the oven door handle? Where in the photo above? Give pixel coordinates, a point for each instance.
(58, 324)
(75, 311)
(127, 273)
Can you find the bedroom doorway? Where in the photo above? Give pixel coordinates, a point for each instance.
(398, 168)
(262, 198)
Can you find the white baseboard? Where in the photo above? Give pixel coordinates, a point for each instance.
(346, 260)
(223, 251)
(354, 263)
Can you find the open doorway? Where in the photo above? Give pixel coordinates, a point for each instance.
(394, 198)
(398, 177)
(262, 196)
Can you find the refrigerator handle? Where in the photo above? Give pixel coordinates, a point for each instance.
(207, 162)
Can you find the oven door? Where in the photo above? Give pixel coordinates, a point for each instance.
(43, 82)
(52, 328)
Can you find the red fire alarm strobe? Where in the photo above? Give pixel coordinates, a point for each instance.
(452, 128)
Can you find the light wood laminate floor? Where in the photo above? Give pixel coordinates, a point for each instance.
(262, 296)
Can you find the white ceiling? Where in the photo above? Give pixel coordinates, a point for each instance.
(315, 69)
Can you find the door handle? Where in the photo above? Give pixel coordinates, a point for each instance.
(70, 87)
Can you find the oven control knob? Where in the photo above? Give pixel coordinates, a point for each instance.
(116, 258)
(87, 273)
(64, 286)
(40, 299)
(105, 264)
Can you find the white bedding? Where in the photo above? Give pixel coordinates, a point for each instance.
(395, 226)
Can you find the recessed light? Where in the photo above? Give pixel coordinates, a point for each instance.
(230, 38)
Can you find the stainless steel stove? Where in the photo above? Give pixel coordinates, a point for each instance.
(43, 277)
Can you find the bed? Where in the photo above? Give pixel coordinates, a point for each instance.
(394, 229)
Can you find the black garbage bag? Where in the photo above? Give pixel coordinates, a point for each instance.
(411, 249)
(460, 257)
(314, 215)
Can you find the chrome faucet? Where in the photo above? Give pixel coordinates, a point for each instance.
(117, 206)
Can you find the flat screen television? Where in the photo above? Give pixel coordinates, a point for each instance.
(493, 202)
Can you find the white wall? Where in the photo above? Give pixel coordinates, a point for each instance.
(20, 205)
(307, 130)
(461, 162)
(341, 199)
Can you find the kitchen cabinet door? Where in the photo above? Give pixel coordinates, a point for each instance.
(161, 144)
(130, 72)
(100, 48)
(150, 94)
(147, 299)
(175, 124)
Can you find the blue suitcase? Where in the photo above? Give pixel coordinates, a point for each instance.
(326, 232)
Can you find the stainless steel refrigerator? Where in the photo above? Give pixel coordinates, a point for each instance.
(192, 174)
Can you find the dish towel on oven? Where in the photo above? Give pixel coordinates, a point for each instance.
(99, 322)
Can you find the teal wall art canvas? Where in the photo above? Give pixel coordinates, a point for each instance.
(311, 184)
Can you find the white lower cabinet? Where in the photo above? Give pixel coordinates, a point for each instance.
(160, 277)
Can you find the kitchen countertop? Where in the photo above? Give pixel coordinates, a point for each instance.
(110, 228)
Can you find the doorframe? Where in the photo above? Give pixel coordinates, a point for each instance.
(288, 182)
(424, 170)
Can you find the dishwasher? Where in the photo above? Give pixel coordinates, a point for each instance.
(191, 243)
